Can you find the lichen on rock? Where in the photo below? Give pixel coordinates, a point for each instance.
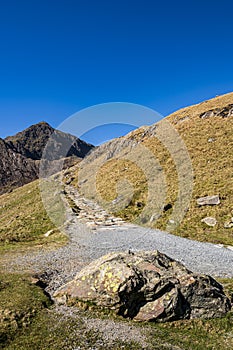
(146, 286)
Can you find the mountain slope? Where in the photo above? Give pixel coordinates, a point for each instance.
(207, 131)
(24, 219)
(15, 169)
(20, 154)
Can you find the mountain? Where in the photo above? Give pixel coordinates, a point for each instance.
(20, 154)
(186, 156)
(32, 141)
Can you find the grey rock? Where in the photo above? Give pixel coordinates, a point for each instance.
(230, 113)
(208, 200)
(207, 114)
(224, 112)
(48, 233)
(186, 117)
(146, 286)
(229, 224)
(210, 221)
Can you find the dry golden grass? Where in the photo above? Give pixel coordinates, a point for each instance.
(209, 142)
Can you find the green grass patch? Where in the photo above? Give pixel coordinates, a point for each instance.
(195, 334)
(55, 331)
(20, 301)
(24, 220)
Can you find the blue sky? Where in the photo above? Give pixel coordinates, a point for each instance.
(58, 57)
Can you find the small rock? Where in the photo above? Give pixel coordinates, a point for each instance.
(230, 113)
(186, 117)
(68, 182)
(228, 225)
(210, 221)
(207, 114)
(14, 325)
(34, 280)
(61, 300)
(208, 200)
(47, 234)
(139, 204)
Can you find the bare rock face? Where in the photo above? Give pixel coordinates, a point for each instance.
(15, 169)
(20, 154)
(31, 142)
(146, 286)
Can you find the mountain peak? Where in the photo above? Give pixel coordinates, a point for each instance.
(20, 153)
(31, 142)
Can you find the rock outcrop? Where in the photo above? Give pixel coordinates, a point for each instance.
(225, 112)
(15, 169)
(146, 286)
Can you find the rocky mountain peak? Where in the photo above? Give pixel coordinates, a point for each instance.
(20, 154)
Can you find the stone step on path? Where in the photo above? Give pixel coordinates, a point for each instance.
(91, 214)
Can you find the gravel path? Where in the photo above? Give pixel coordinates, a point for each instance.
(87, 244)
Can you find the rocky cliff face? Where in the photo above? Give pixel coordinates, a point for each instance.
(20, 154)
(15, 169)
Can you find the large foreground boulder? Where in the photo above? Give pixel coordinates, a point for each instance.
(146, 286)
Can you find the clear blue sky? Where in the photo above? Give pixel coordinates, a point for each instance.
(59, 56)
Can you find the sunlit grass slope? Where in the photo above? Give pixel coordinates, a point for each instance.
(209, 142)
(23, 218)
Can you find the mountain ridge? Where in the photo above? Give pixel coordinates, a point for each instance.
(20, 154)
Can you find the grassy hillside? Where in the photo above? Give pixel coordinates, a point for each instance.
(209, 142)
(24, 220)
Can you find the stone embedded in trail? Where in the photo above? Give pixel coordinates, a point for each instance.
(146, 286)
(208, 200)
